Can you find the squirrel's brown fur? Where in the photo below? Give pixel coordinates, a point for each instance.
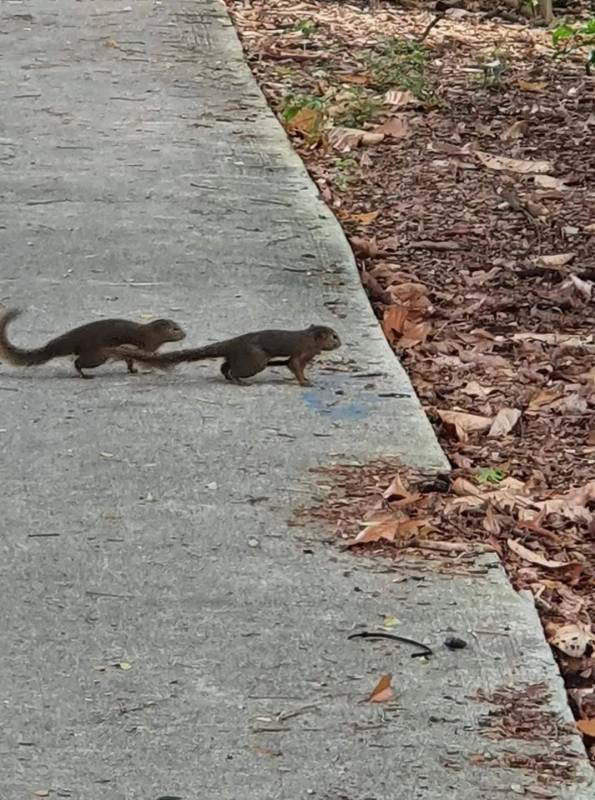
(90, 342)
(251, 353)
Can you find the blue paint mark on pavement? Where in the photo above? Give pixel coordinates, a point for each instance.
(352, 402)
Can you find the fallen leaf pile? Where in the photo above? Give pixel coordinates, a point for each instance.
(545, 538)
(522, 714)
(462, 170)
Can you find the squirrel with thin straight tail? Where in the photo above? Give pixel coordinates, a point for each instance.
(249, 354)
(90, 343)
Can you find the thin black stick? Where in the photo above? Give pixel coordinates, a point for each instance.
(427, 651)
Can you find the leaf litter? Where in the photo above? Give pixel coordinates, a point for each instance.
(521, 713)
(465, 190)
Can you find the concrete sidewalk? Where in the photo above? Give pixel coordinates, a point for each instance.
(145, 518)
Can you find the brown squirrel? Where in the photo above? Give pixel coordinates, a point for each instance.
(90, 342)
(251, 353)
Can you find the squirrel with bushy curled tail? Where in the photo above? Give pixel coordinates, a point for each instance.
(90, 343)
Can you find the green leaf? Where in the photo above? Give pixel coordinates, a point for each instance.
(587, 28)
(296, 103)
(307, 27)
(490, 475)
(562, 32)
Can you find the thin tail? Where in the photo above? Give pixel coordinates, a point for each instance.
(165, 360)
(15, 355)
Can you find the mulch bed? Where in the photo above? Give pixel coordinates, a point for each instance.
(462, 168)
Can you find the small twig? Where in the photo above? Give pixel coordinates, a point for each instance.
(432, 24)
(427, 245)
(516, 204)
(289, 714)
(427, 651)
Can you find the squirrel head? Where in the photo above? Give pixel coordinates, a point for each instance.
(325, 337)
(167, 330)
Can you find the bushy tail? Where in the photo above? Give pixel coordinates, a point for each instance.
(163, 360)
(15, 355)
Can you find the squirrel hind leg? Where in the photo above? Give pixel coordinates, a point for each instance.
(89, 360)
(244, 364)
(78, 367)
(228, 374)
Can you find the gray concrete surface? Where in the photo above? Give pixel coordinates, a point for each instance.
(145, 518)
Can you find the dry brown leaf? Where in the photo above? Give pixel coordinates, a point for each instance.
(530, 86)
(360, 78)
(533, 557)
(390, 244)
(572, 403)
(589, 377)
(375, 514)
(490, 522)
(513, 485)
(555, 338)
(402, 329)
(464, 423)
(390, 529)
(475, 389)
(396, 490)
(504, 421)
(510, 501)
(549, 182)
(488, 360)
(573, 504)
(503, 163)
(587, 727)
(364, 219)
(307, 121)
(466, 502)
(370, 137)
(450, 149)
(376, 531)
(393, 321)
(516, 131)
(414, 333)
(447, 547)
(374, 288)
(413, 296)
(544, 398)
(583, 287)
(557, 260)
(418, 528)
(572, 639)
(344, 139)
(396, 128)
(383, 690)
(367, 248)
(399, 99)
(463, 487)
